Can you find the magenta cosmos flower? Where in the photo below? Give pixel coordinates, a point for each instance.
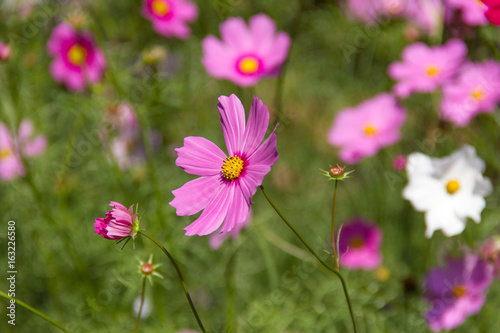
(457, 291)
(361, 131)
(493, 11)
(476, 90)
(246, 54)
(424, 68)
(170, 18)
(227, 183)
(472, 11)
(359, 245)
(13, 148)
(119, 222)
(77, 59)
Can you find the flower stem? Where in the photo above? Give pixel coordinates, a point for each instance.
(330, 268)
(333, 228)
(26, 306)
(186, 292)
(140, 306)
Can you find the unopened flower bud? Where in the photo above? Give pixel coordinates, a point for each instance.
(146, 268)
(337, 171)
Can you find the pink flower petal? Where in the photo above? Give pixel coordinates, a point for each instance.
(200, 157)
(256, 128)
(232, 119)
(195, 195)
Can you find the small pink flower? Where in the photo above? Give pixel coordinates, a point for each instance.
(476, 90)
(361, 131)
(472, 11)
(12, 149)
(399, 163)
(457, 291)
(427, 14)
(359, 245)
(119, 222)
(493, 11)
(170, 18)
(5, 52)
(122, 117)
(228, 182)
(77, 59)
(370, 11)
(246, 54)
(216, 239)
(425, 68)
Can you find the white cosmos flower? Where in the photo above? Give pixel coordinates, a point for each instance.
(447, 189)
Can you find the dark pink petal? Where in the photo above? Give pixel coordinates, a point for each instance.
(195, 195)
(238, 210)
(258, 120)
(267, 153)
(253, 177)
(232, 119)
(200, 156)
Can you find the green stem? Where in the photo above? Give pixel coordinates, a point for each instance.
(183, 283)
(333, 227)
(330, 268)
(142, 303)
(26, 306)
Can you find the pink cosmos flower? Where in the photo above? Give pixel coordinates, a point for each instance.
(227, 183)
(476, 90)
(427, 14)
(5, 52)
(457, 291)
(13, 148)
(399, 163)
(370, 11)
(119, 222)
(472, 11)
(493, 11)
(170, 18)
(216, 239)
(246, 54)
(424, 68)
(363, 130)
(359, 245)
(77, 59)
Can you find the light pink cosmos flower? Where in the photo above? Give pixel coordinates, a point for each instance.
(13, 148)
(5, 52)
(77, 59)
(216, 239)
(170, 18)
(472, 11)
(427, 14)
(359, 245)
(119, 222)
(476, 90)
(246, 54)
(361, 131)
(227, 183)
(425, 68)
(457, 291)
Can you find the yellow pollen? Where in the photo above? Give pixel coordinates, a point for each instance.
(432, 71)
(248, 65)
(77, 55)
(160, 7)
(459, 291)
(452, 186)
(356, 242)
(478, 94)
(370, 130)
(4, 153)
(232, 167)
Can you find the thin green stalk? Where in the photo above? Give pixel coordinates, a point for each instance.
(330, 268)
(183, 283)
(26, 306)
(333, 228)
(142, 303)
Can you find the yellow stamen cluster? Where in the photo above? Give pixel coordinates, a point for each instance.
(4, 153)
(459, 291)
(356, 242)
(77, 55)
(370, 130)
(478, 94)
(232, 167)
(432, 71)
(248, 65)
(452, 186)
(160, 7)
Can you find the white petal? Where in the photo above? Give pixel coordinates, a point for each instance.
(469, 205)
(424, 192)
(443, 217)
(483, 186)
(419, 164)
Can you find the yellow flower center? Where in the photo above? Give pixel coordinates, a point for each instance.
(77, 55)
(160, 7)
(432, 71)
(356, 242)
(452, 186)
(248, 65)
(478, 94)
(232, 167)
(370, 130)
(4, 153)
(459, 291)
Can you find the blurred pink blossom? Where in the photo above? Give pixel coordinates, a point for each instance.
(472, 11)
(77, 59)
(361, 131)
(490, 251)
(493, 11)
(399, 163)
(246, 54)
(425, 68)
(457, 291)
(476, 90)
(359, 245)
(170, 18)
(5, 52)
(427, 14)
